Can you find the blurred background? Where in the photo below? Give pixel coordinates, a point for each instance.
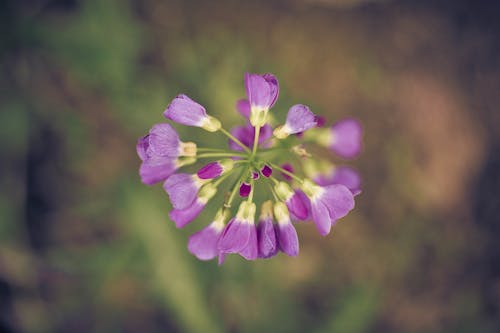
(85, 247)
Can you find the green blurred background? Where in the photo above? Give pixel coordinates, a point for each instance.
(85, 247)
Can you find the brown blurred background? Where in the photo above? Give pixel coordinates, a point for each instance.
(85, 247)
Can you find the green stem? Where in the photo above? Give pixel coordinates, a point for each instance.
(255, 141)
(206, 155)
(272, 191)
(223, 177)
(286, 172)
(232, 137)
(250, 196)
(212, 150)
(229, 201)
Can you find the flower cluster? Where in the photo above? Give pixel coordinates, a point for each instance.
(299, 187)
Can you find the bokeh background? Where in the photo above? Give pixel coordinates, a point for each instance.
(85, 247)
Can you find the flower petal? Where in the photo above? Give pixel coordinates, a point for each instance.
(181, 217)
(156, 169)
(346, 136)
(210, 171)
(203, 244)
(266, 239)
(258, 91)
(185, 111)
(235, 237)
(297, 207)
(299, 119)
(287, 239)
(181, 189)
(243, 107)
(321, 217)
(250, 251)
(142, 147)
(339, 200)
(163, 141)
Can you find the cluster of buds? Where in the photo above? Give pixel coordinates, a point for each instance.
(299, 187)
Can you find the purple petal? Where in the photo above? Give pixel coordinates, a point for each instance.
(287, 239)
(299, 119)
(246, 135)
(235, 237)
(321, 217)
(243, 134)
(203, 244)
(273, 88)
(297, 207)
(255, 175)
(163, 141)
(181, 217)
(156, 169)
(266, 132)
(185, 111)
(266, 171)
(288, 167)
(181, 189)
(243, 107)
(347, 177)
(245, 189)
(320, 121)
(266, 236)
(339, 200)
(346, 138)
(250, 251)
(262, 90)
(210, 171)
(142, 147)
(305, 202)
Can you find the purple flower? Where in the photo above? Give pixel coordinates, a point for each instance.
(345, 138)
(157, 169)
(243, 107)
(159, 151)
(183, 110)
(215, 169)
(305, 214)
(298, 119)
(266, 234)
(246, 135)
(266, 171)
(297, 207)
(262, 92)
(182, 188)
(162, 140)
(292, 200)
(245, 189)
(240, 234)
(341, 175)
(203, 244)
(181, 217)
(288, 167)
(328, 204)
(287, 235)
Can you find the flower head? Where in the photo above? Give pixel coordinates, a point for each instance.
(301, 186)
